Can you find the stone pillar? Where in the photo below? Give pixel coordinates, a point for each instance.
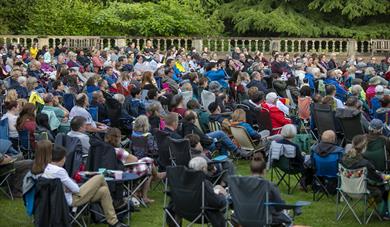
(42, 42)
(197, 44)
(351, 47)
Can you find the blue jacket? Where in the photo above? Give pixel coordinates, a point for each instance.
(310, 79)
(252, 133)
(218, 76)
(340, 92)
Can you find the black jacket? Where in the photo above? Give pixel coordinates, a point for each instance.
(262, 86)
(190, 128)
(74, 155)
(51, 209)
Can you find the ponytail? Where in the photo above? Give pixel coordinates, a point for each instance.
(258, 164)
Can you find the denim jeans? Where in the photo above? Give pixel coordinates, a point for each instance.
(227, 143)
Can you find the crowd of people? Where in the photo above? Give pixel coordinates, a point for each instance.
(131, 92)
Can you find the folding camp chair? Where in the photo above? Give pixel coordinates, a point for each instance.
(4, 130)
(76, 213)
(279, 160)
(250, 196)
(163, 149)
(69, 101)
(244, 140)
(351, 127)
(179, 151)
(353, 186)
(324, 118)
(207, 98)
(325, 174)
(264, 122)
(6, 172)
(24, 144)
(214, 126)
(376, 153)
(186, 189)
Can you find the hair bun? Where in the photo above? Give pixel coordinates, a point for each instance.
(258, 156)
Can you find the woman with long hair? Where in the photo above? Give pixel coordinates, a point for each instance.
(42, 157)
(146, 164)
(148, 81)
(354, 159)
(26, 121)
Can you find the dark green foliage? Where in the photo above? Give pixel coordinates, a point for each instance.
(360, 19)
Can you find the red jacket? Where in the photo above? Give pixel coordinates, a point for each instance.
(277, 117)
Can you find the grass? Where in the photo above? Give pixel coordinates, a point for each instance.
(12, 213)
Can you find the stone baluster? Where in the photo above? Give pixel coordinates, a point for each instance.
(326, 46)
(235, 43)
(208, 43)
(138, 44)
(222, 45)
(165, 44)
(186, 44)
(306, 45)
(158, 43)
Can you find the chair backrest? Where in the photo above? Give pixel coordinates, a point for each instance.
(187, 96)
(326, 166)
(207, 97)
(323, 118)
(351, 127)
(249, 195)
(263, 118)
(197, 124)
(186, 188)
(4, 129)
(376, 154)
(139, 146)
(69, 101)
(180, 151)
(214, 126)
(163, 148)
(241, 136)
(94, 111)
(353, 181)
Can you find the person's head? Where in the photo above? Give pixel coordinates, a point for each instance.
(289, 131)
(177, 101)
(141, 124)
(356, 90)
(109, 70)
(11, 106)
(193, 104)
(152, 94)
(258, 165)
(78, 124)
(58, 155)
(43, 156)
(330, 90)
(375, 126)
(48, 98)
(352, 101)
(214, 108)
(379, 89)
(82, 100)
(58, 85)
(190, 116)
(147, 78)
(271, 98)
(136, 92)
(198, 164)
(359, 145)
(329, 136)
(12, 95)
(255, 95)
(27, 113)
(172, 120)
(91, 81)
(291, 82)
(31, 83)
(239, 115)
(194, 141)
(103, 85)
(120, 98)
(256, 76)
(154, 110)
(22, 80)
(305, 91)
(113, 137)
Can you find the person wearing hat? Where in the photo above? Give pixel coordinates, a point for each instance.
(278, 117)
(372, 83)
(375, 134)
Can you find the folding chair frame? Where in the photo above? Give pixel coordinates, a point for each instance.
(364, 197)
(201, 216)
(281, 175)
(77, 212)
(322, 190)
(5, 181)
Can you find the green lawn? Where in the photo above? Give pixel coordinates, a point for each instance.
(321, 213)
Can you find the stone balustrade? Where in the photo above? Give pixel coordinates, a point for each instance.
(214, 44)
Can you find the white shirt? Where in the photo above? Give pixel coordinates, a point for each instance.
(53, 172)
(80, 111)
(282, 107)
(84, 139)
(339, 103)
(13, 132)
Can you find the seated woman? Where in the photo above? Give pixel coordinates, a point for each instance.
(304, 101)
(26, 121)
(44, 127)
(12, 114)
(141, 128)
(239, 118)
(94, 190)
(177, 105)
(354, 159)
(146, 164)
(156, 120)
(258, 169)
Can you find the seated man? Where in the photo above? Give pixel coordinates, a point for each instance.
(171, 125)
(327, 144)
(94, 190)
(215, 196)
(78, 127)
(52, 104)
(375, 133)
(216, 114)
(209, 140)
(99, 101)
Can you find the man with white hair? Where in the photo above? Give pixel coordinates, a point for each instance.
(278, 117)
(376, 100)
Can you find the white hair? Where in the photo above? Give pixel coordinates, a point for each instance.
(289, 131)
(120, 98)
(198, 164)
(22, 79)
(356, 89)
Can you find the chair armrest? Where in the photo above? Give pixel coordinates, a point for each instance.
(296, 207)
